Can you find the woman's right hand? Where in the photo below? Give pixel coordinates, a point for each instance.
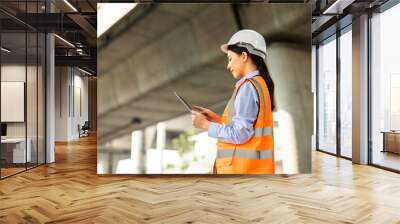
(211, 116)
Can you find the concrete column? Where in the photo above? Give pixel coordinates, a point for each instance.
(294, 115)
(161, 138)
(143, 157)
(135, 149)
(138, 151)
(50, 100)
(360, 90)
(50, 93)
(314, 93)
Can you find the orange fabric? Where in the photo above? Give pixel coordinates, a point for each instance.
(238, 165)
(245, 166)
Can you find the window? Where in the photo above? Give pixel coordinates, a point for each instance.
(22, 87)
(327, 95)
(346, 92)
(385, 88)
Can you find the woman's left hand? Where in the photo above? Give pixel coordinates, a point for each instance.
(199, 120)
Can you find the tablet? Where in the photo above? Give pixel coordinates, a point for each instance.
(187, 106)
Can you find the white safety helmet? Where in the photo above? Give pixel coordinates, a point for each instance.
(251, 40)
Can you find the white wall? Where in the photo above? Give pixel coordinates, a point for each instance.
(14, 73)
(12, 101)
(61, 103)
(71, 94)
(80, 84)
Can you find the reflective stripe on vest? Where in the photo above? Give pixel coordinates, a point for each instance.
(259, 132)
(244, 153)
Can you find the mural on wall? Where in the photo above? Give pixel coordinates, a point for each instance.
(143, 128)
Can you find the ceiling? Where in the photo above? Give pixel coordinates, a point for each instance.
(77, 27)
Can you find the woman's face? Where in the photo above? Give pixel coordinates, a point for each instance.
(236, 64)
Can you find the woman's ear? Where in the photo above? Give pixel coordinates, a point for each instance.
(244, 56)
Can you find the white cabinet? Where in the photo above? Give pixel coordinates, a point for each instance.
(18, 149)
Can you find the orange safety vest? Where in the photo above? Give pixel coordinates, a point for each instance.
(256, 156)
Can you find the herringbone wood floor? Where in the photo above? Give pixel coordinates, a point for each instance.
(69, 191)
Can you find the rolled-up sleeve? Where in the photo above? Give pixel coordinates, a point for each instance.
(241, 128)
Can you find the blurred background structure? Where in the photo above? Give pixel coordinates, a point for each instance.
(155, 49)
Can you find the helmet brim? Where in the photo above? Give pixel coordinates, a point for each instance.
(224, 48)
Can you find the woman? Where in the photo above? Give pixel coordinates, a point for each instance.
(245, 130)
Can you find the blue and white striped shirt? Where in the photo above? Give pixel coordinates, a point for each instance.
(240, 129)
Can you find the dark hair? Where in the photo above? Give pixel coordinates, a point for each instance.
(262, 68)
